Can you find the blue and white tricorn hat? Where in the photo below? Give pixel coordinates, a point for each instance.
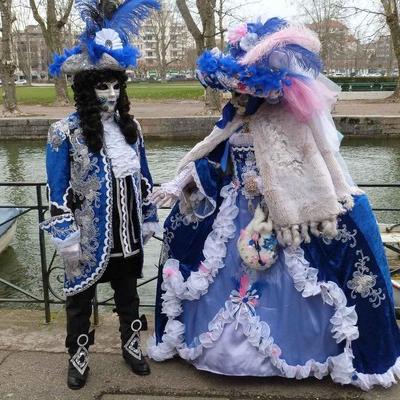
(106, 41)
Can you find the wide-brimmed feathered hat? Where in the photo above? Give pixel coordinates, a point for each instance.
(106, 41)
(275, 56)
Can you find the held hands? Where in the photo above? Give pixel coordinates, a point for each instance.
(167, 192)
(170, 191)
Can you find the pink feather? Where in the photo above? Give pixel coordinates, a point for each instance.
(244, 285)
(291, 35)
(306, 98)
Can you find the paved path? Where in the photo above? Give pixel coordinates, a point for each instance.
(195, 108)
(33, 367)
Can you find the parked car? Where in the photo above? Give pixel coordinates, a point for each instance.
(20, 82)
(177, 77)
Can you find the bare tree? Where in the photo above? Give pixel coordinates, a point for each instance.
(324, 17)
(22, 42)
(165, 29)
(57, 14)
(386, 12)
(391, 11)
(7, 64)
(204, 36)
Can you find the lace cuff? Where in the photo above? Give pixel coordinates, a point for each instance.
(176, 186)
(60, 226)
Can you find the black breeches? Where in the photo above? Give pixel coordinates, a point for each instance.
(79, 309)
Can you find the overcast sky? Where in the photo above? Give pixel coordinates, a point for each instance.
(268, 8)
(365, 25)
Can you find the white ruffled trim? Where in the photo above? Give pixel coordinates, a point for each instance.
(305, 278)
(258, 335)
(176, 289)
(214, 252)
(368, 381)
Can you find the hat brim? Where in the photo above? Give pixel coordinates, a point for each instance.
(81, 62)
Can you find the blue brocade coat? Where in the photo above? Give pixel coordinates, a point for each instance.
(80, 194)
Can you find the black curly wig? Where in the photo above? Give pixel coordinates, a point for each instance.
(88, 107)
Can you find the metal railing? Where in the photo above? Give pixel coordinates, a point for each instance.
(367, 86)
(49, 294)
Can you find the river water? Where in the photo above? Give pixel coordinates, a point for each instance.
(368, 160)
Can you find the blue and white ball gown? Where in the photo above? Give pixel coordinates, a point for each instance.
(325, 308)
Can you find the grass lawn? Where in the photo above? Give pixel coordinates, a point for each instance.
(139, 91)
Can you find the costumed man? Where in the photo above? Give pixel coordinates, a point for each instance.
(273, 264)
(99, 181)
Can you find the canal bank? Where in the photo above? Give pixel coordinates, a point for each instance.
(195, 127)
(33, 366)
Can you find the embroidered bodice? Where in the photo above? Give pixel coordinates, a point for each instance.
(243, 157)
(124, 159)
(245, 169)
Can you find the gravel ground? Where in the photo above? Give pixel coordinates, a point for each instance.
(33, 367)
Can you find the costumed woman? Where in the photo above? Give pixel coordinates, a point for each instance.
(273, 263)
(99, 182)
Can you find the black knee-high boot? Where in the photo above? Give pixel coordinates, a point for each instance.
(78, 340)
(127, 307)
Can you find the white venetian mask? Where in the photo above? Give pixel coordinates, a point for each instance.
(108, 93)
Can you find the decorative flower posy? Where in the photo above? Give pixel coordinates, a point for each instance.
(245, 299)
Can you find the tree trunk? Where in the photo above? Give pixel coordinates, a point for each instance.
(204, 40)
(9, 96)
(393, 22)
(52, 30)
(207, 15)
(194, 30)
(60, 83)
(7, 65)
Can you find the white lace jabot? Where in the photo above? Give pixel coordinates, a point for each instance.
(124, 160)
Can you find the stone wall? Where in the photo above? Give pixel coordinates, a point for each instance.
(197, 127)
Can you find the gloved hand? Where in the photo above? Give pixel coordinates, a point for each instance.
(72, 253)
(149, 229)
(69, 248)
(170, 191)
